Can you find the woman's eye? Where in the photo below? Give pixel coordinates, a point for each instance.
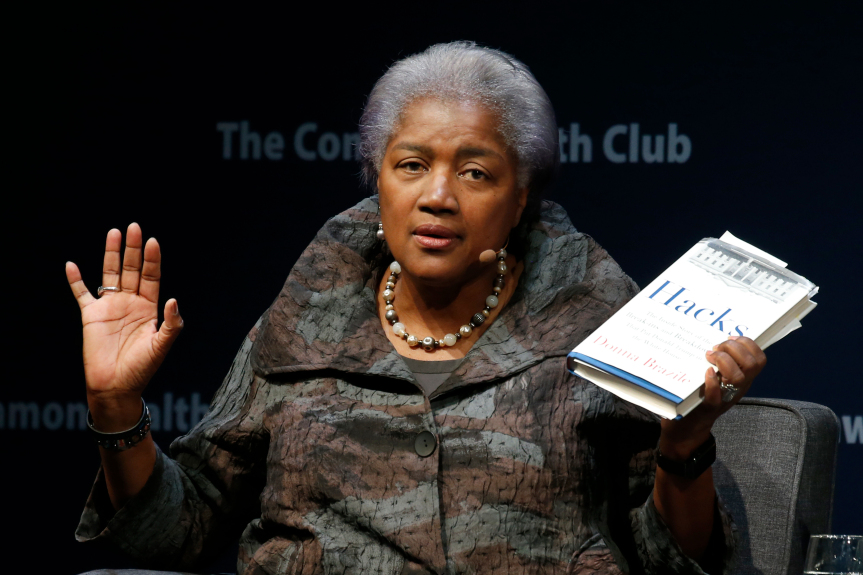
(475, 175)
(412, 167)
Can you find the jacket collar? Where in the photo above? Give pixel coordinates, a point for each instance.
(325, 317)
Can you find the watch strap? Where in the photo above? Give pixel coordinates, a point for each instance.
(693, 466)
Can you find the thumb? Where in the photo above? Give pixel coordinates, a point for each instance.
(170, 328)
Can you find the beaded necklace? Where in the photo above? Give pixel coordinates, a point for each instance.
(429, 343)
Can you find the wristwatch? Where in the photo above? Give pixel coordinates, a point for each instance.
(692, 467)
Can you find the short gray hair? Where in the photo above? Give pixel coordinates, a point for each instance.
(463, 71)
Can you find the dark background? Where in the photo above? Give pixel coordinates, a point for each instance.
(114, 119)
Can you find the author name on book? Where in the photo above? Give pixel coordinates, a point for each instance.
(650, 363)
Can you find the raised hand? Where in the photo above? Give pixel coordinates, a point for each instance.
(122, 346)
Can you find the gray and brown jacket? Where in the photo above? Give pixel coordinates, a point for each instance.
(308, 452)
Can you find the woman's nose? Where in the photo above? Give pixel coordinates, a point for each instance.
(439, 196)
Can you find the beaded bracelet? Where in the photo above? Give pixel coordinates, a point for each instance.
(122, 440)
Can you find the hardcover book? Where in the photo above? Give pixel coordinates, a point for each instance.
(652, 351)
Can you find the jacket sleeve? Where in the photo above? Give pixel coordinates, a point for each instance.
(202, 496)
(660, 553)
(627, 518)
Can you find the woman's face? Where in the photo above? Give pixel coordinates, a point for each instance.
(448, 191)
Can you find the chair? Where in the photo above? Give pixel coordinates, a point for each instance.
(775, 471)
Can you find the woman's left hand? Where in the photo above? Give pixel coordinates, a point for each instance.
(738, 360)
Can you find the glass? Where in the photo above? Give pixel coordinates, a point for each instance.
(834, 554)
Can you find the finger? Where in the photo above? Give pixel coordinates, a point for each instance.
(170, 328)
(728, 368)
(151, 274)
(132, 259)
(753, 348)
(712, 391)
(743, 356)
(111, 263)
(79, 290)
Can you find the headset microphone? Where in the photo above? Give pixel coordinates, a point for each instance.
(487, 256)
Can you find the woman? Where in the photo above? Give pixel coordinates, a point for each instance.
(403, 406)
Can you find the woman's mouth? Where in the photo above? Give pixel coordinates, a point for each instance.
(434, 236)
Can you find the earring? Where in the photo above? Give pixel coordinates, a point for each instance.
(503, 249)
(380, 232)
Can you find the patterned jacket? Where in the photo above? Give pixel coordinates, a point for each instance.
(309, 453)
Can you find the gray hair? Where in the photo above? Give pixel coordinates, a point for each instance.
(463, 71)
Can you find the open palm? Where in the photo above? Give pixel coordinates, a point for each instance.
(122, 346)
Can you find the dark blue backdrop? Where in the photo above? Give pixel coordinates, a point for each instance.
(123, 117)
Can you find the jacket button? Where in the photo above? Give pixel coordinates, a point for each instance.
(425, 444)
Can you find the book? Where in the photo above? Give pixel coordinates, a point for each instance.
(652, 351)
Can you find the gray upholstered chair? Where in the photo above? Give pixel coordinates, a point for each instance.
(775, 470)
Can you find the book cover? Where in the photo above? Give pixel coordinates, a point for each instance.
(652, 351)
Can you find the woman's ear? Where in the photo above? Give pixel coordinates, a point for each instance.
(521, 197)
